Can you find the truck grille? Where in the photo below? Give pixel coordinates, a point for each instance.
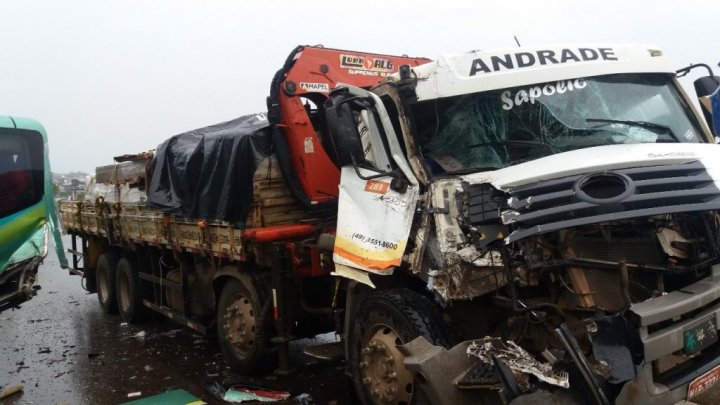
(599, 197)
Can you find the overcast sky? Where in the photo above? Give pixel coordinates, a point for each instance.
(113, 77)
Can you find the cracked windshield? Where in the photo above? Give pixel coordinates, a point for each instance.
(495, 129)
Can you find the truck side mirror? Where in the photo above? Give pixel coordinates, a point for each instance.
(704, 88)
(344, 134)
(706, 85)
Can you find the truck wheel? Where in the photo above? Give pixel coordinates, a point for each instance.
(384, 320)
(244, 329)
(105, 281)
(129, 292)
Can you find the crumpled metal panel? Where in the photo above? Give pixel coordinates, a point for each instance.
(518, 359)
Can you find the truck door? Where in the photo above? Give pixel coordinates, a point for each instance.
(378, 191)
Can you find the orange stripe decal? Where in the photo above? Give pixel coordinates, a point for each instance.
(366, 262)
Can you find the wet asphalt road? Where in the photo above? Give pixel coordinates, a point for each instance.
(65, 350)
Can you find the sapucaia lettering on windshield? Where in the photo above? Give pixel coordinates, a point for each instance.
(530, 94)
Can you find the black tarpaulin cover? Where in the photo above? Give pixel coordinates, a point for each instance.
(208, 173)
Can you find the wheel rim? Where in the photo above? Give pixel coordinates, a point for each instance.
(381, 367)
(102, 285)
(123, 289)
(239, 324)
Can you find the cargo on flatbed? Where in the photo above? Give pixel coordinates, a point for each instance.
(273, 210)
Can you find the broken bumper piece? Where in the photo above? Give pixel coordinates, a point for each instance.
(463, 375)
(678, 343)
(679, 334)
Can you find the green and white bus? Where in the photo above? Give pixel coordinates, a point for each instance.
(28, 216)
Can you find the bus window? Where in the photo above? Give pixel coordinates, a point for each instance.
(21, 170)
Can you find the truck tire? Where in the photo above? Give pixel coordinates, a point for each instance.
(105, 281)
(383, 320)
(128, 291)
(244, 328)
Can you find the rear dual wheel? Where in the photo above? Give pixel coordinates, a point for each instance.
(105, 275)
(118, 287)
(129, 292)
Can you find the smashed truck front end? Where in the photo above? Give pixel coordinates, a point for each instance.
(570, 230)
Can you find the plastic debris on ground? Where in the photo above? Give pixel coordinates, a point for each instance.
(10, 390)
(174, 397)
(238, 394)
(518, 359)
(304, 399)
(216, 390)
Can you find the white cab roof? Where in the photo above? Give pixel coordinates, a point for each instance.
(476, 71)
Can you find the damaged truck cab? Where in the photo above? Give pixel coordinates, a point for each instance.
(528, 224)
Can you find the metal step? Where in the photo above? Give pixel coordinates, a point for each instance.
(326, 351)
(177, 317)
(75, 252)
(161, 281)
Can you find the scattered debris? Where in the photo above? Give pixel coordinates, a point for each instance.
(517, 358)
(140, 335)
(60, 374)
(216, 391)
(148, 368)
(304, 399)
(10, 389)
(172, 333)
(44, 350)
(123, 324)
(240, 394)
(134, 394)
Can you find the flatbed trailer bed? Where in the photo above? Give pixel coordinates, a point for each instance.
(274, 214)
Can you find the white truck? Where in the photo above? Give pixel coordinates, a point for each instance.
(523, 225)
(559, 206)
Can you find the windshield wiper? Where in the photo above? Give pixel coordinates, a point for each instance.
(511, 142)
(642, 124)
